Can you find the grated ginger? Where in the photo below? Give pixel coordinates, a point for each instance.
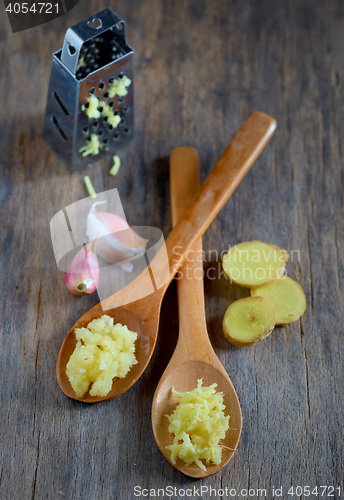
(92, 110)
(103, 351)
(108, 112)
(92, 147)
(116, 165)
(89, 186)
(198, 423)
(119, 87)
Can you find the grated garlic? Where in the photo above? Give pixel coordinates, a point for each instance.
(103, 351)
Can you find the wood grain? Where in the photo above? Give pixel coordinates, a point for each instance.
(201, 67)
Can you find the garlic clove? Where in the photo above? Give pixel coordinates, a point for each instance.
(117, 242)
(82, 276)
(125, 235)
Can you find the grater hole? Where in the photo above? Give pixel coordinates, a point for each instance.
(100, 132)
(126, 108)
(102, 86)
(121, 100)
(71, 49)
(115, 137)
(95, 23)
(126, 131)
(116, 112)
(121, 74)
(59, 101)
(100, 109)
(105, 141)
(92, 90)
(96, 66)
(105, 119)
(88, 139)
(106, 95)
(122, 122)
(59, 128)
(85, 130)
(112, 105)
(87, 105)
(111, 81)
(95, 124)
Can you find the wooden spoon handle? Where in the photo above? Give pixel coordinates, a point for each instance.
(184, 180)
(228, 172)
(184, 183)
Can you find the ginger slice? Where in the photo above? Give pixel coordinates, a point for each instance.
(254, 263)
(249, 320)
(287, 297)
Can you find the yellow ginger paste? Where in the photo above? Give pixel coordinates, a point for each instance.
(103, 351)
(119, 87)
(92, 147)
(116, 165)
(198, 423)
(113, 119)
(92, 111)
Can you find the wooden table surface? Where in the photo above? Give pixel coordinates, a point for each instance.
(201, 67)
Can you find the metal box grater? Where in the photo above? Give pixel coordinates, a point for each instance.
(95, 61)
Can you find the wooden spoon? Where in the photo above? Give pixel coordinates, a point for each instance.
(142, 316)
(194, 358)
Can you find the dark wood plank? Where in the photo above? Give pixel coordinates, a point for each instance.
(200, 68)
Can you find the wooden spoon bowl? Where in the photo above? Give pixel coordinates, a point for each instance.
(184, 378)
(143, 315)
(194, 357)
(144, 345)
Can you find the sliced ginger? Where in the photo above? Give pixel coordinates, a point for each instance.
(260, 267)
(287, 297)
(254, 263)
(249, 320)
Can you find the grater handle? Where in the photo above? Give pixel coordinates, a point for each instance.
(86, 30)
(71, 50)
